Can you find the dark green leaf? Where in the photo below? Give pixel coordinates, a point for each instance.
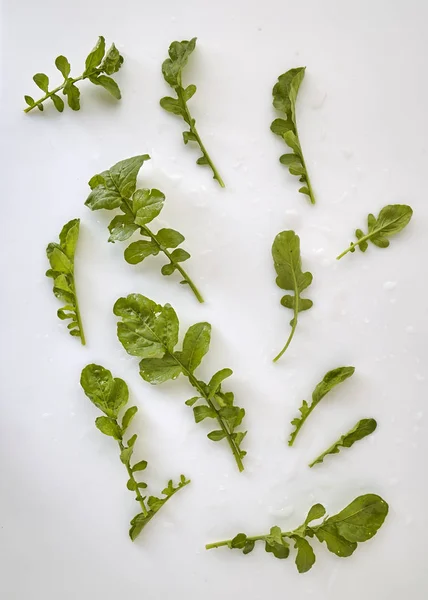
(73, 96)
(58, 102)
(108, 84)
(305, 558)
(121, 228)
(188, 136)
(316, 512)
(112, 61)
(239, 541)
(328, 533)
(195, 345)
(169, 238)
(138, 251)
(172, 67)
(361, 519)
(281, 126)
(179, 255)
(217, 435)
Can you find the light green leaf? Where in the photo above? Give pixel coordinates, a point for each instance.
(96, 55)
(139, 339)
(317, 511)
(158, 370)
(172, 105)
(107, 393)
(140, 466)
(123, 175)
(42, 81)
(63, 66)
(216, 381)
(189, 92)
(125, 454)
(305, 558)
(58, 102)
(166, 327)
(58, 260)
(128, 416)
(203, 412)
(69, 236)
(217, 435)
(29, 100)
(195, 345)
(108, 427)
(239, 541)
(147, 204)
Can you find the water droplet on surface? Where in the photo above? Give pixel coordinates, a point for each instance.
(389, 285)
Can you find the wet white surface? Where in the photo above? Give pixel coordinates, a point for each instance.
(362, 113)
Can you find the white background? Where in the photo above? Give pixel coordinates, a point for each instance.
(362, 115)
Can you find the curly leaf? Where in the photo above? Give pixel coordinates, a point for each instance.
(391, 220)
(284, 99)
(61, 260)
(361, 430)
(329, 381)
(288, 266)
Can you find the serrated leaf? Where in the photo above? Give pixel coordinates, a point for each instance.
(96, 55)
(63, 66)
(361, 430)
(128, 416)
(108, 427)
(288, 266)
(107, 393)
(42, 81)
(329, 381)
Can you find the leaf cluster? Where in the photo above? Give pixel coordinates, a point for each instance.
(284, 99)
(391, 220)
(172, 70)
(99, 65)
(329, 381)
(362, 429)
(288, 266)
(150, 331)
(61, 260)
(110, 395)
(116, 188)
(341, 533)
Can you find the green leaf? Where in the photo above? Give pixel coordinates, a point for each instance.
(96, 55)
(328, 533)
(159, 370)
(195, 345)
(112, 186)
(126, 453)
(192, 401)
(305, 557)
(317, 511)
(29, 100)
(173, 106)
(203, 412)
(140, 466)
(239, 541)
(112, 61)
(166, 327)
(131, 485)
(63, 66)
(147, 204)
(138, 251)
(288, 266)
(216, 381)
(179, 255)
(217, 435)
(189, 92)
(73, 96)
(276, 544)
(121, 228)
(361, 519)
(329, 381)
(69, 236)
(42, 81)
(391, 220)
(58, 260)
(281, 126)
(107, 393)
(169, 238)
(189, 136)
(108, 427)
(362, 429)
(108, 84)
(172, 67)
(58, 102)
(128, 416)
(132, 440)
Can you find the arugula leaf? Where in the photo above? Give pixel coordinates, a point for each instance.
(284, 99)
(110, 394)
(150, 331)
(61, 259)
(391, 219)
(116, 188)
(98, 66)
(358, 522)
(329, 381)
(361, 430)
(288, 266)
(172, 70)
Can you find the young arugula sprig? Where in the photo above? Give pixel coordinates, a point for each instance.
(111, 395)
(98, 66)
(116, 188)
(329, 381)
(392, 219)
(172, 70)
(284, 99)
(288, 266)
(61, 259)
(358, 522)
(150, 331)
(361, 430)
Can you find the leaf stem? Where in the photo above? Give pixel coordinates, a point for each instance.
(354, 244)
(138, 495)
(308, 181)
(254, 538)
(58, 89)
(78, 315)
(296, 313)
(191, 122)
